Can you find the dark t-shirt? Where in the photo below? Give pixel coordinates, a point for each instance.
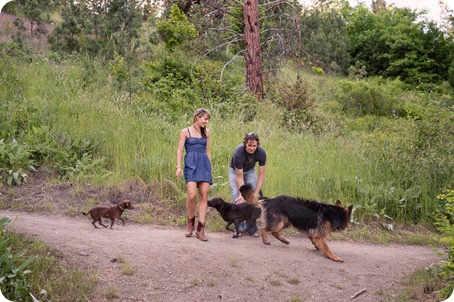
(243, 160)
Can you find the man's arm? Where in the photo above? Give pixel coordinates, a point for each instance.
(260, 180)
(239, 183)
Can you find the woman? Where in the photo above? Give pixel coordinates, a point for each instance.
(197, 169)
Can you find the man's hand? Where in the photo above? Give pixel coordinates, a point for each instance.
(239, 200)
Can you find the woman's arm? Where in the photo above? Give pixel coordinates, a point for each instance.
(183, 136)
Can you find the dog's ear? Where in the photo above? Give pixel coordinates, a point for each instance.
(350, 208)
(339, 203)
(246, 188)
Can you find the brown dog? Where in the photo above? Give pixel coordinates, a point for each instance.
(109, 212)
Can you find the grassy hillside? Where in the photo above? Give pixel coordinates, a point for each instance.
(322, 142)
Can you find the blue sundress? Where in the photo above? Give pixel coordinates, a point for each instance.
(197, 166)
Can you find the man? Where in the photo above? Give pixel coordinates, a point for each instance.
(242, 170)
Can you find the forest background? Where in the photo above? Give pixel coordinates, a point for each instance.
(355, 102)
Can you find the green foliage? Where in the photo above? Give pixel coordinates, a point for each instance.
(324, 39)
(318, 70)
(14, 275)
(179, 86)
(357, 71)
(102, 27)
(177, 29)
(73, 159)
(299, 104)
(119, 69)
(50, 276)
(363, 98)
(15, 163)
(396, 43)
(444, 222)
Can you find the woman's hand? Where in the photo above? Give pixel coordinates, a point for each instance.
(179, 172)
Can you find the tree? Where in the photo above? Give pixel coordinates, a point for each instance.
(74, 23)
(94, 26)
(176, 29)
(34, 11)
(399, 43)
(252, 57)
(244, 33)
(324, 39)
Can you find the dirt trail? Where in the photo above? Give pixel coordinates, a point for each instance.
(170, 267)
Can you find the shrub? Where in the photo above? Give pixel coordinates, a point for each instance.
(363, 97)
(15, 163)
(318, 70)
(299, 107)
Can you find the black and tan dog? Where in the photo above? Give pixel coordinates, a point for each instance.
(314, 218)
(97, 213)
(236, 213)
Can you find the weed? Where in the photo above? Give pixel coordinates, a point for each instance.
(274, 281)
(112, 293)
(195, 282)
(49, 207)
(127, 269)
(233, 262)
(296, 298)
(121, 259)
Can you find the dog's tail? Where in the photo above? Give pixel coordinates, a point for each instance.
(84, 213)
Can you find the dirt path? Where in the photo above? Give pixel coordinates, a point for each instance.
(170, 267)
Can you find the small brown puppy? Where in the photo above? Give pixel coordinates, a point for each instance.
(109, 212)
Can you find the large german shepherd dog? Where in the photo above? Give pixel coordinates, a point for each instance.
(314, 218)
(236, 213)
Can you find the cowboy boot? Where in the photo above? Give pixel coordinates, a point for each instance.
(190, 227)
(201, 232)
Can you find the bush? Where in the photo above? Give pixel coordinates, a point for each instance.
(362, 97)
(15, 163)
(299, 107)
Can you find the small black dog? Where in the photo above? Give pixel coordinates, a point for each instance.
(236, 213)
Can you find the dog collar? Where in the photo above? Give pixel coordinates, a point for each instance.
(121, 208)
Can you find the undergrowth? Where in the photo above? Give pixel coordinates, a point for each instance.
(31, 271)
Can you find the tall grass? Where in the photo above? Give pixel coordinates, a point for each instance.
(380, 164)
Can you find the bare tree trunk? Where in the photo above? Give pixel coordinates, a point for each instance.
(300, 43)
(253, 56)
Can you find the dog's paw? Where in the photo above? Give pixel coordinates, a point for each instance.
(267, 243)
(337, 258)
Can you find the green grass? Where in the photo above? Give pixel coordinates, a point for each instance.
(52, 274)
(422, 285)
